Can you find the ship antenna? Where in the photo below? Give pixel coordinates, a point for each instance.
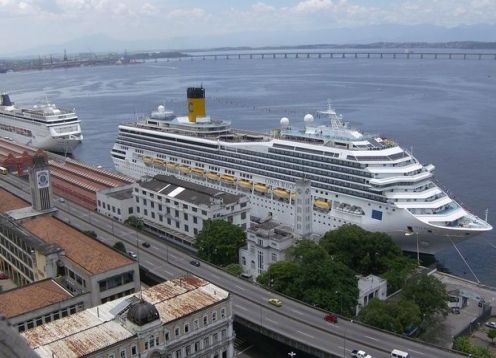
(486, 213)
(334, 118)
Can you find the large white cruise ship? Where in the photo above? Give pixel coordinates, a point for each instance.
(356, 178)
(42, 126)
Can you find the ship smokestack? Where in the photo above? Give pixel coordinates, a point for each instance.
(196, 103)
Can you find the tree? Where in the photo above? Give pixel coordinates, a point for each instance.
(280, 276)
(135, 222)
(491, 334)
(363, 251)
(463, 344)
(233, 269)
(393, 315)
(399, 269)
(428, 293)
(119, 246)
(219, 241)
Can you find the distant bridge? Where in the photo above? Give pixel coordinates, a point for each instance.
(344, 55)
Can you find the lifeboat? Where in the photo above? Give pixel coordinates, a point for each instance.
(228, 178)
(245, 183)
(148, 160)
(171, 166)
(322, 204)
(184, 169)
(159, 161)
(281, 193)
(213, 176)
(198, 171)
(261, 188)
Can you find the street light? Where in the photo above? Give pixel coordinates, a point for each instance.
(341, 312)
(292, 354)
(410, 233)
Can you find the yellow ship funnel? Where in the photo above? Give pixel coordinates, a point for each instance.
(196, 103)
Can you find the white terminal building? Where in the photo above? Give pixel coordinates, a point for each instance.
(172, 207)
(184, 317)
(370, 287)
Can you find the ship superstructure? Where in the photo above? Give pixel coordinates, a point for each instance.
(43, 126)
(356, 178)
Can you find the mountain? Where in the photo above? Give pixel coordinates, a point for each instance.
(365, 34)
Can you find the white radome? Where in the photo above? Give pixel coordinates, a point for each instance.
(284, 122)
(308, 118)
(161, 109)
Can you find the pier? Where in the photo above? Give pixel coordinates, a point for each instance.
(406, 55)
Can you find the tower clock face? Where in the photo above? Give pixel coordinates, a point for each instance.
(42, 179)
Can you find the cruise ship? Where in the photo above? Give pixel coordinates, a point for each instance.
(356, 178)
(42, 126)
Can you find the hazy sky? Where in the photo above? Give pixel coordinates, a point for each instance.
(30, 23)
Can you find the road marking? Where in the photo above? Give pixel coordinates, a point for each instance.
(270, 320)
(295, 311)
(241, 307)
(412, 350)
(241, 288)
(305, 334)
(244, 350)
(372, 338)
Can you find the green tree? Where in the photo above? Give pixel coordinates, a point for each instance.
(491, 334)
(219, 241)
(463, 344)
(399, 269)
(428, 293)
(135, 222)
(363, 251)
(280, 276)
(233, 269)
(393, 315)
(119, 246)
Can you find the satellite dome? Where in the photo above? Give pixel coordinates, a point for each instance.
(161, 109)
(308, 118)
(142, 313)
(284, 122)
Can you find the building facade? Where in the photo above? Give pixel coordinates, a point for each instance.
(370, 287)
(116, 203)
(267, 243)
(184, 317)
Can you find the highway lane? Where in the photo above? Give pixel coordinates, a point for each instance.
(294, 320)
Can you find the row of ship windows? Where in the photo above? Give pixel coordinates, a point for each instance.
(271, 170)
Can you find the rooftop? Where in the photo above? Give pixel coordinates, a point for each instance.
(10, 202)
(192, 193)
(90, 254)
(97, 328)
(121, 194)
(31, 297)
(271, 229)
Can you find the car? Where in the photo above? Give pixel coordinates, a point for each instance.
(195, 263)
(245, 276)
(491, 324)
(62, 200)
(355, 353)
(275, 301)
(331, 318)
(455, 310)
(145, 244)
(132, 254)
(3, 276)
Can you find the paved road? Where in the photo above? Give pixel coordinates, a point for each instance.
(293, 320)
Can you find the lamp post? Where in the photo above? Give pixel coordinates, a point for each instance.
(341, 312)
(410, 233)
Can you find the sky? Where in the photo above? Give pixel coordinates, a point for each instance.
(35, 23)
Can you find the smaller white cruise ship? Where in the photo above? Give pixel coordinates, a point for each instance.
(42, 126)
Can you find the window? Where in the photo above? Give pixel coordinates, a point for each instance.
(151, 340)
(216, 337)
(214, 316)
(197, 346)
(178, 353)
(176, 331)
(167, 336)
(118, 211)
(123, 354)
(376, 214)
(185, 216)
(187, 351)
(222, 313)
(144, 202)
(145, 212)
(224, 333)
(156, 341)
(205, 320)
(196, 324)
(99, 203)
(186, 328)
(134, 350)
(205, 342)
(274, 257)
(186, 228)
(195, 220)
(152, 204)
(130, 210)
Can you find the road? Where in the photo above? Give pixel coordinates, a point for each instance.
(294, 320)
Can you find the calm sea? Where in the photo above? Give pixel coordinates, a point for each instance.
(443, 110)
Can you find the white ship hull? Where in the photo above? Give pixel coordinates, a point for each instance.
(60, 139)
(430, 239)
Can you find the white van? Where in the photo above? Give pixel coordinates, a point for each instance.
(396, 353)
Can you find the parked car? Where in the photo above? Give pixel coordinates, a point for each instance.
(275, 301)
(331, 318)
(3, 276)
(491, 324)
(132, 254)
(355, 353)
(145, 244)
(195, 263)
(245, 276)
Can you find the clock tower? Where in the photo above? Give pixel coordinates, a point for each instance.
(303, 208)
(39, 180)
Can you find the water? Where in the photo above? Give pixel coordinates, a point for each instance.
(444, 110)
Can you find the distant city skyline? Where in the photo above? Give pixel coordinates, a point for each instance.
(34, 24)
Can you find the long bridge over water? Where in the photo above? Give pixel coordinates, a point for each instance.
(343, 55)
